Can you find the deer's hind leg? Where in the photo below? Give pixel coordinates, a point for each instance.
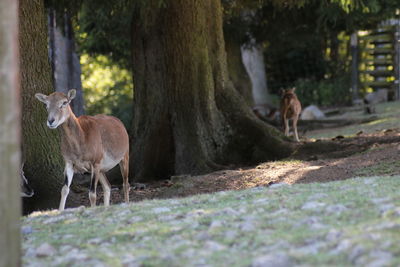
(295, 120)
(124, 166)
(95, 176)
(105, 184)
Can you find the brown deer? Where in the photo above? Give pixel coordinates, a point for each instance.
(290, 109)
(92, 144)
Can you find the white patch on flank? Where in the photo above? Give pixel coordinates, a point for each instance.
(108, 162)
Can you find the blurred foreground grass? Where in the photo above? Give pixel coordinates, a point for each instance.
(351, 222)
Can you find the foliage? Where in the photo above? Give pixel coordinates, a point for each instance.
(324, 92)
(108, 88)
(306, 43)
(103, 28)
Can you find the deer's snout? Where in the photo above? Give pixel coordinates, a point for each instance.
(50, 122)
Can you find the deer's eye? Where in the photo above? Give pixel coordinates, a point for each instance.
(65, 103)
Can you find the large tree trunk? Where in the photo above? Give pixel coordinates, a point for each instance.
(188, 118)
(10, 206)
(64, 59)
(43, 166)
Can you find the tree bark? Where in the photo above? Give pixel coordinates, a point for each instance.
(44, 165)
(10, 206)
(188, 118)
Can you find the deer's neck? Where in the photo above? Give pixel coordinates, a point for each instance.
(71, 132)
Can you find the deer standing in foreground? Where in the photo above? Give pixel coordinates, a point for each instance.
(290, 109)
(92, 144)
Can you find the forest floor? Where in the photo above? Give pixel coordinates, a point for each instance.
(367, 149)
(334, 208)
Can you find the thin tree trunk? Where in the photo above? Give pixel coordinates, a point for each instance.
(253, 60)
(64, 59)
(188, 118)
(44, 165)
(237, 71)
(10, 206)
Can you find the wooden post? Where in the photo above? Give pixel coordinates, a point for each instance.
(10, 206)
(354, 66)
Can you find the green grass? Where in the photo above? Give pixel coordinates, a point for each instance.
(229, 228)
(380, 168)
(388, 118)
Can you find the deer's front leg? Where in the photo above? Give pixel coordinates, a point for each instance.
(286, 126)
(295, 119)
(68, 174)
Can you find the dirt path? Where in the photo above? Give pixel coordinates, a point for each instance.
(364, 155)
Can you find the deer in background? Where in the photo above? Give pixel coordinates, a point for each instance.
(290, 109)
(93, 144)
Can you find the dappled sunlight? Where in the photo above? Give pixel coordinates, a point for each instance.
(376, 122)
(386, 118)
(44, 212)
(108, 88)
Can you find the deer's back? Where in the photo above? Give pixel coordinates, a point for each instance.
(114, 137)
(290, 105)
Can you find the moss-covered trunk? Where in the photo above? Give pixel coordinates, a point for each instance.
(43, 162)
(188, 118)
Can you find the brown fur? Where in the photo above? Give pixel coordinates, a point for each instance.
(290, 109)
(92, 144)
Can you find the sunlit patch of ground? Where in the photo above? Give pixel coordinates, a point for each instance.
(388, 117)
(367, 154)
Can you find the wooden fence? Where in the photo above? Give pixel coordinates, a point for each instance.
(377, 65)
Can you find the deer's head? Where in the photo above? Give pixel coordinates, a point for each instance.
(57, 105)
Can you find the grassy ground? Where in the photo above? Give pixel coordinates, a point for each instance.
(351, 222)
(388, 118)
(342, 223)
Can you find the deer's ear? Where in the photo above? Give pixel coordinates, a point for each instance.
(41, 97)
(71, 94)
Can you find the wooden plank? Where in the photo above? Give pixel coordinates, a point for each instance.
(379, 73)
(378, 84)
(371, 38)
(10, 206)
(377, 62)
(379, 50)
(382, 30)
